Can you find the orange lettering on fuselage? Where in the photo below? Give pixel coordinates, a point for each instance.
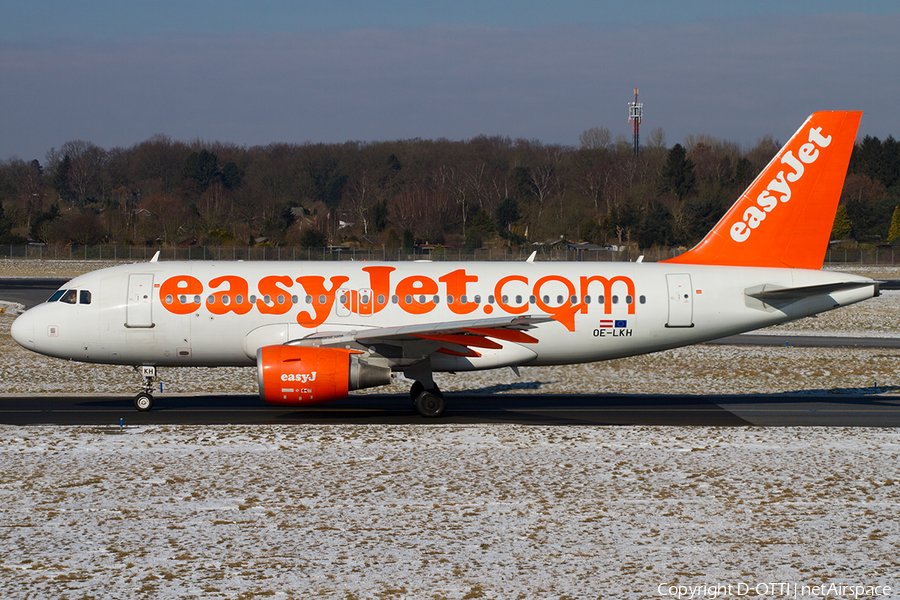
(322, 298)
(234, 299)
(279, 298)
(607, 291)
(498, 295)
(173, 288)
(456, 282)
(415, 294)
(380, 284)
(417, 285)
(565, 312)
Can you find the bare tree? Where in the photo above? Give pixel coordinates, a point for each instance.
(595, 138)
(361, 199)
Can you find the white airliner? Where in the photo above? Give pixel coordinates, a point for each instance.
(316, 330)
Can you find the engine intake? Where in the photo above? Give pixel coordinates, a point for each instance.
(304, 375)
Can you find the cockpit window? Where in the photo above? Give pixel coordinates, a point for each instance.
(71, 296)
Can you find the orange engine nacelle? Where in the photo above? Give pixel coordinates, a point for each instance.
(304, 375)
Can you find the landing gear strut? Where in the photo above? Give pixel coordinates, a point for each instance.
(143, 401)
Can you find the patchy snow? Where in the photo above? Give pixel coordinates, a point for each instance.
(15, 267)
(495, 511)
(11, 308)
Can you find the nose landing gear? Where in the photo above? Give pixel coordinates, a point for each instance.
(143, 401)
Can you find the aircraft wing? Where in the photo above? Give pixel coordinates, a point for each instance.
(453, 337)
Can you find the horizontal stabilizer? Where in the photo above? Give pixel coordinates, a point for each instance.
(796, 293)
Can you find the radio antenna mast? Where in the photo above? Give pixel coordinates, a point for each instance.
(635, 116)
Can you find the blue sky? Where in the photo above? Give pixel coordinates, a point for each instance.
(117, 73)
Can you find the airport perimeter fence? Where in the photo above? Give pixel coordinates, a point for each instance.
(882, 256)
(285, 253)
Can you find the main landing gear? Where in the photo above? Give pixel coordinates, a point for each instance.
(143, 401)
(429, 402)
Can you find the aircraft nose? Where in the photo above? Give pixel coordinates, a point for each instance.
(22, 330)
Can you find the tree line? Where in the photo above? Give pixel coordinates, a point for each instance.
(486, 191)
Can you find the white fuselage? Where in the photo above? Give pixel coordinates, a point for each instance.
(219, 314)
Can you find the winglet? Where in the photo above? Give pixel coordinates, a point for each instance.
(155, 257)
(785, 217)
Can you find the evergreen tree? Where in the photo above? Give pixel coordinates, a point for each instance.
(678, 174)
(894, 232)
(742, 172)
(5, 226)
(507, 213)
(6, 236)
(313, 238)
(480, 228)
(391, 240)
(378, 214)
(201, 167)
(878, 160)
(61, 178)
(408, 241)
(232, 176)
(841, 229)
(37, 228)
(656, 230)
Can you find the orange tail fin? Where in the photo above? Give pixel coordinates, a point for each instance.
(784, 219)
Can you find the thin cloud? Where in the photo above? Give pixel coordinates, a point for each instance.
(735, 79)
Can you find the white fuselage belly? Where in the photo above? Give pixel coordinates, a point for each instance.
(602, 310)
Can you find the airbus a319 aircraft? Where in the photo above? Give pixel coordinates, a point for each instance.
(316, 330)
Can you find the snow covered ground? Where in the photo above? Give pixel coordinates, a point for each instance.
(450, 511)
(493, 511)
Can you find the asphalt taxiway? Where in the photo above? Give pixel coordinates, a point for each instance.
(29, 291)
(815, 408)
